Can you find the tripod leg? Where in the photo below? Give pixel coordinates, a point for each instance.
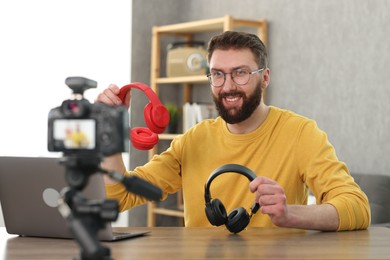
(105, 254)
(84, 229)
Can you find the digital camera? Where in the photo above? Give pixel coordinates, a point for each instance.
(79, 127)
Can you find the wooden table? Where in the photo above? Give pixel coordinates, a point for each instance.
(215, 243)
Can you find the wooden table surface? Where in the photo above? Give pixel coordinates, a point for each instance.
(215, 243)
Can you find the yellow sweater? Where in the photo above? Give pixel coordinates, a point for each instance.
(287, 148)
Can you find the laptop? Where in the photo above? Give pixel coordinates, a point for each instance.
(29, 191)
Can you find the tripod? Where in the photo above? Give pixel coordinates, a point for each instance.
(86, 217)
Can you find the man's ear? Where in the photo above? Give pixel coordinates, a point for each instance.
(266, 78)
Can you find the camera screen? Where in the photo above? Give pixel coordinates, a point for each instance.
(75, 133)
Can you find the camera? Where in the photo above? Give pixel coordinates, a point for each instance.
(78, 127)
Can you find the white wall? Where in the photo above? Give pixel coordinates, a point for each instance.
(42, 43)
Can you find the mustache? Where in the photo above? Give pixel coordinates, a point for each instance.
(231, 93)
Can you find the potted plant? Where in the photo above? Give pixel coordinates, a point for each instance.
(174, 118)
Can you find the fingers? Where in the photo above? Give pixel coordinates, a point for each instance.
(267, 191)
(270, 195)
(109, 96)
(253, 186)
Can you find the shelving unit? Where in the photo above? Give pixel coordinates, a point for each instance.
(187, 31)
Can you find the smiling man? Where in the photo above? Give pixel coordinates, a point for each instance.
(288, 153)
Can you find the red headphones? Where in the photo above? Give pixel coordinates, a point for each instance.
(155, 114)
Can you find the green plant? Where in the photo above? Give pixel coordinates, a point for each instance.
(174, 117)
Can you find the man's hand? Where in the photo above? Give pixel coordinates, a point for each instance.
(272, 199)
(109, 96)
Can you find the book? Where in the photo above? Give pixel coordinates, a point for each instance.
(197, 112)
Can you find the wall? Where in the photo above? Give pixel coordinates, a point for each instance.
(329, 61)
(42, 43)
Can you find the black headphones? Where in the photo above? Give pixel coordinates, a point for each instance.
(239, 218)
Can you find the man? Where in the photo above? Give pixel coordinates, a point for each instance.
(288, 152)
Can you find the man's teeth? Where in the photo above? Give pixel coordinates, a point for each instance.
(232, 99)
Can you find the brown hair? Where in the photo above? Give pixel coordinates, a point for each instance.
(239, 40)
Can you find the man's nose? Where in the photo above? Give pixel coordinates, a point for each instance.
(229, 83)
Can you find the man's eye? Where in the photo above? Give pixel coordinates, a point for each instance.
(240, 72)
(217, 74)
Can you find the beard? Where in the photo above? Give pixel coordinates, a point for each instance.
(236, 115)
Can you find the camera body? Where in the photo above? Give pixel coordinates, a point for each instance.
(78, 127)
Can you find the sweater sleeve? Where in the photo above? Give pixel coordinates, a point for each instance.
(329, 179)
(163, 171)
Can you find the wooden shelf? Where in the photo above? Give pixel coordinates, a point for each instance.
(216, 24)
(169, 212)
(188, 79)
(167, 136)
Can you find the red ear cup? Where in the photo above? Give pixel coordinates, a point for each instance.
(142, 138)
(156, 117)
(155, 114)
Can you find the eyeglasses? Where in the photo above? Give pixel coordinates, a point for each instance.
(239, 76)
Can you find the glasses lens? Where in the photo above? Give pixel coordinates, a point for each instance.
(240, 77)
(217, 78)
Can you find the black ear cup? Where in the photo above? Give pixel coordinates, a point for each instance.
(237, 220)
(216, 212)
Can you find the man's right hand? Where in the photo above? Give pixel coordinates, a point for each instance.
(109, 96)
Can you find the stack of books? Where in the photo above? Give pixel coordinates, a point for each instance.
(194, 113)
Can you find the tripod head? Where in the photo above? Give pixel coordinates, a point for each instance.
(79, 168)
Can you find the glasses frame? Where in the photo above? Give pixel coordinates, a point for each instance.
(232, 78)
